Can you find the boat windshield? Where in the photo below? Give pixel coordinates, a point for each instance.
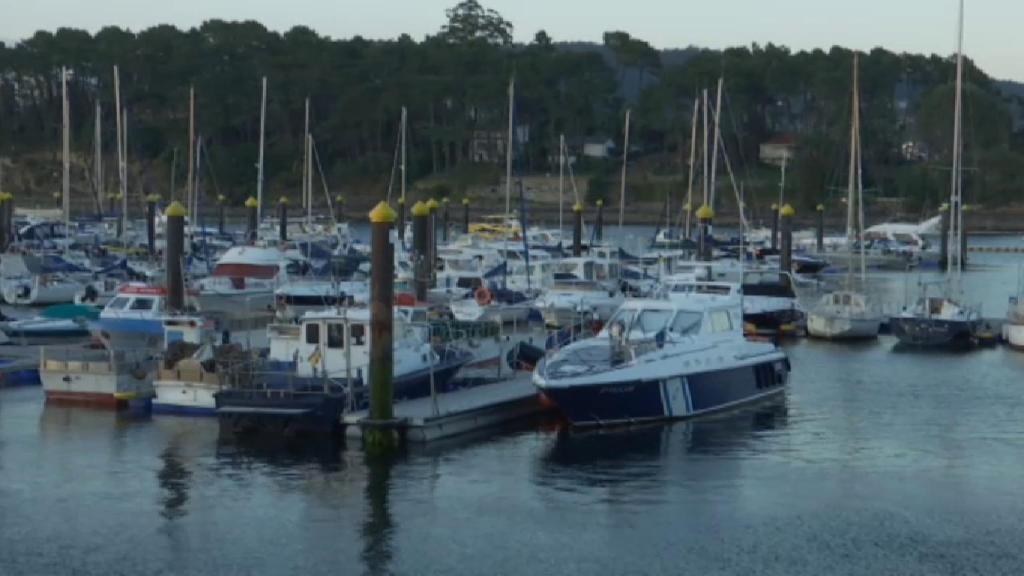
(686, 323)
(117, 303)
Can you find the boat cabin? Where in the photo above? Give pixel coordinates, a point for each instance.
(645, 320)
(136, 301)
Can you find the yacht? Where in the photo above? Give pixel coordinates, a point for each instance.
(245, 279)
(770, 302)
(936, 322)
(28, 280)
(660, 359)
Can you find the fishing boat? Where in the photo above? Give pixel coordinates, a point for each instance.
(941, 321)
(663, 359)
(846, 314)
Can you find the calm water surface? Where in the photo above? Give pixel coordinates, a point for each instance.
(874, 462)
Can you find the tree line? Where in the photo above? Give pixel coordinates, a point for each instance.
(454, 85)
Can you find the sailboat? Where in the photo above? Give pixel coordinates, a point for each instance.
(847, 314)
(939, 321)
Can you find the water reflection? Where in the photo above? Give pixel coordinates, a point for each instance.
(173, 478)
(235, 452)
(378, 527)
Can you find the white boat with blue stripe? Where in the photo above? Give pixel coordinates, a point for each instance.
(665, 359)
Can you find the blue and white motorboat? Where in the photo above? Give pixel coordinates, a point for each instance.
(664, 359)
(60, 323)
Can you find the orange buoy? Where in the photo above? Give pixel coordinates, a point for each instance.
(483, 296)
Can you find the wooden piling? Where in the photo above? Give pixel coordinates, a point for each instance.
(705, 216)
(444, 220)
(174, 253)
(251, 207)
(400, 227)
(465, 215)
(821, 228)
(221, 200)
(381, 434)
(282, 219)
(577, 229)
(775, 227)
(599, 223)
(432, 205)
(420, 251)
(786, 214)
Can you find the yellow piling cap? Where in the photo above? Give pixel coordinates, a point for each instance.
(821, 207)
(705, 213)
(252, 203)
(221, 198)
(686, 208)
(5, 196)
(175, 210)
(383, 214)
(444, 200)
(419, 209)
(577, 207)
(282, 200)
(153, 198)
(944, 207)
(787, 211)
(775, 207)
(465, 201)
(432, 204)
(400, 200)
(340, 198)
(600, 203)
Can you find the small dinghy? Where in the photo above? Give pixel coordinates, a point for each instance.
(57, 324)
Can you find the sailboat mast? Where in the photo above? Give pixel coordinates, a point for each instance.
(401, 167)
(66, 156)
(956, 187)
(625, 162)
(693, 159)
(508, 151)
(191, 145)
(860, 168)
(305, 159)
(717, 137)
(561, 180)
(124, 169)
(705, 155)
(98, 158)
(117, 126)
(259, 169)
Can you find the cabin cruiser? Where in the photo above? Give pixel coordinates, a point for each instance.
(571, 300)
(245, 279)
(493, 305)
(294, 299)
(770, 302)
(663, 359)
(133, 318)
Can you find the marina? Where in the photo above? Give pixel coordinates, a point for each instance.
(471, 305)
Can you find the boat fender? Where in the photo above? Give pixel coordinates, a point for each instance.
(138, 373)
(483, 296)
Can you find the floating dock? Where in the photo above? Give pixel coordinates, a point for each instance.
(460, 411)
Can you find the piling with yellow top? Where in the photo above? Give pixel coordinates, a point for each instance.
(380, 433)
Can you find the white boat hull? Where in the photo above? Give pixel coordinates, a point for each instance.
(1014, 335)
(30, 293)
(181, 397)
(837, 327)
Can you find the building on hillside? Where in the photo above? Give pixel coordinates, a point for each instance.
(488, 146)
(598, 147)
(779, 148)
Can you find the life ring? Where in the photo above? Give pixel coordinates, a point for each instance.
(483, 296)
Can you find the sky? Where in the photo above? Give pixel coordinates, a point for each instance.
(922, 26)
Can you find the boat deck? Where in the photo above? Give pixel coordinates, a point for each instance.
(460, 411)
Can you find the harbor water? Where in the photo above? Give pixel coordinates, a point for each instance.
(875, 461)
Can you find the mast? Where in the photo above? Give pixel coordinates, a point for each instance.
(305, 162)
(717, 137)
(693, 159)
(117, 117)
(98, 159)
(956, 187)
(405, 119)
(124, 181)
(625, 161)
(309, 183)
(860, 170)
(705, 173)
(508, 152)
(191, 145)
(259, 169)
(66, 157)
(851, 183)
(561, 180)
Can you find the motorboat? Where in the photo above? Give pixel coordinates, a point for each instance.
(844, 315)
(493, 305)
(572, 300)
(245, 278)
(936, 322)
(770, 301)
(60, 323)
(27, 280)
(662, 359)
(296, 298)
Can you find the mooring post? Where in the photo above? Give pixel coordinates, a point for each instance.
(12, 233)
(465, 215)
(432, 205)
(963, 236)
(688, 226)
(251, 206)
(821, 228)
(786, 214)
(4, 235)
(339, 208)
(705, 215)
(577, 229)
(599, 223)
(221, 200)
(173, 253)
(775, 227)
(944, 240)
(120, 219)
(282, 219)
(381, 435)
(420, 251)
(151, 202)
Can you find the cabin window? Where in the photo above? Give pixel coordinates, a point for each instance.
(358, 335)
(686, 323)
(335, 335)
(720, 321)
(117, 303)
(312, 333)
(652, 321)
(142, 304)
